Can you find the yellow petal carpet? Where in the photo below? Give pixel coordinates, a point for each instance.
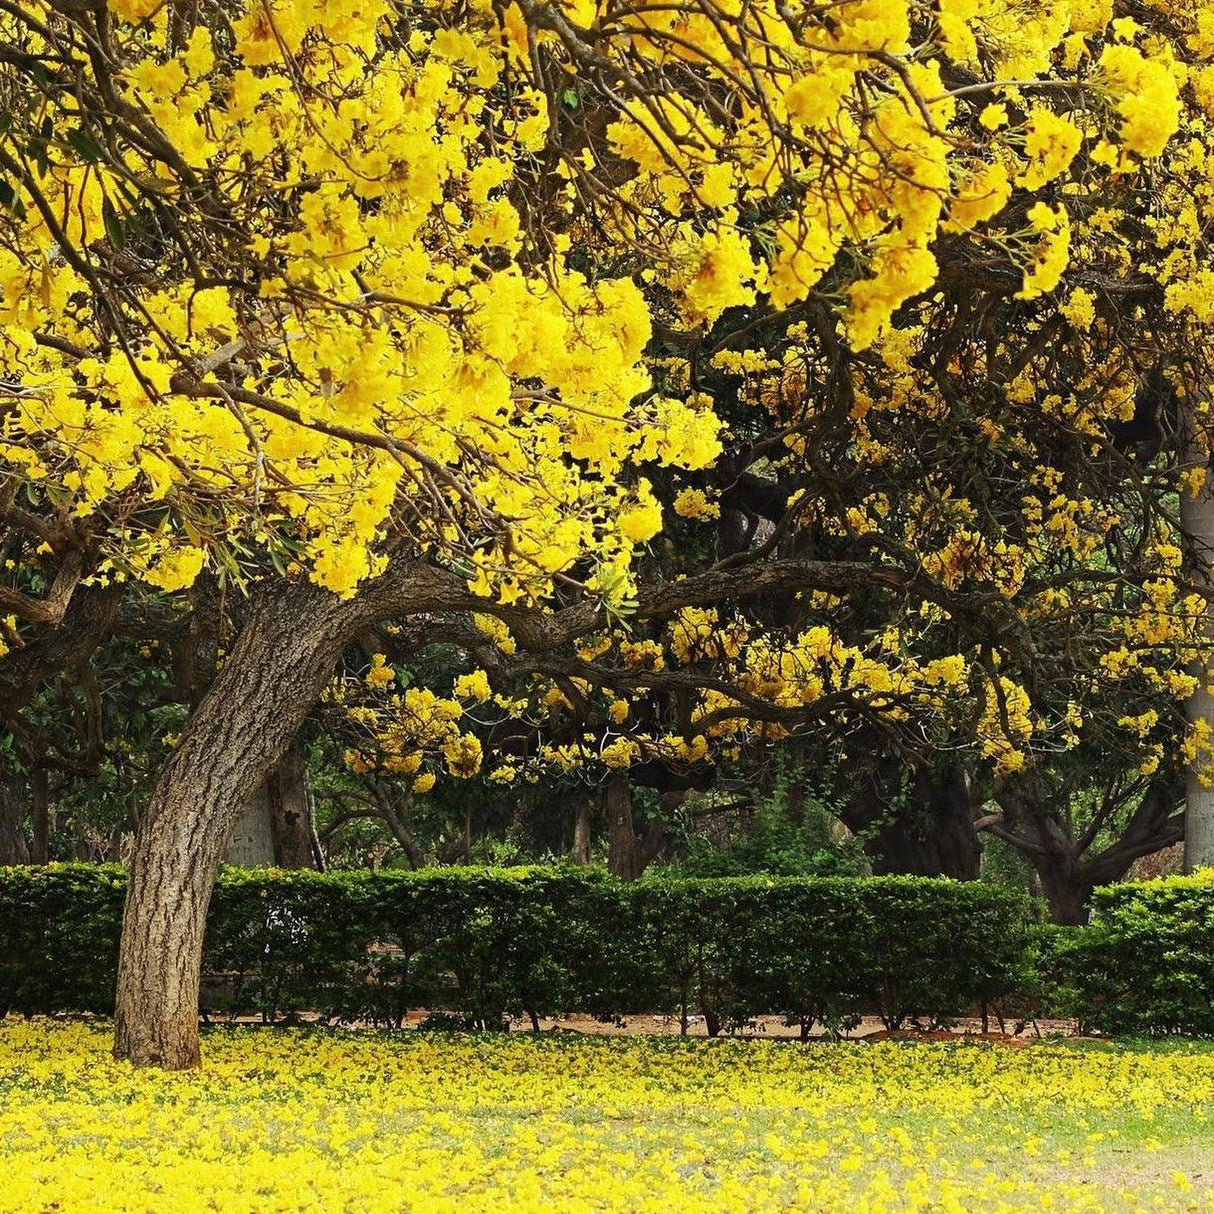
(312, 1120)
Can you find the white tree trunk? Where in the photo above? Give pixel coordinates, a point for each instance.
(252, 843)
(1197, 519)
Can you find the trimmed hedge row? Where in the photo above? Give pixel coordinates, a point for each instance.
(487, 944)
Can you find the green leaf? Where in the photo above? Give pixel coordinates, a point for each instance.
(84, 145)
(10, 200)
(113, 225)
(571, 99)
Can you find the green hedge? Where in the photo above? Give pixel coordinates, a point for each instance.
(1146, 962)
(487, 944)
(484, 944)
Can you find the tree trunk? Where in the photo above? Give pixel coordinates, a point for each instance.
(282, 659)
(40, 813)
(931, 835)
(319, 860)
(1197, 520)
(796, 760)
(1065, 888)
(581, 831)
(1199, 797)
(622, 860)
(1036, 819)
(13, 847)
(395, 806)
(290, 812)
(276, 671)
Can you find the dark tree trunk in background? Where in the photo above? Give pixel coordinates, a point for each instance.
(630, 854)
(797, 751)
(290, 810)
(13, 797)
(622, 859)
(1033, 819)
(926, 831)
(1066, 890)
(40, 814)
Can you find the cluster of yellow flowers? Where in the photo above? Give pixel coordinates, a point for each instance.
(400, 731)
(303, 1120)
(433, 332)
(397, 332)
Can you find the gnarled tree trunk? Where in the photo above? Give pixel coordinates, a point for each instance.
(285, 654)
(1034, 819)
(277, 669)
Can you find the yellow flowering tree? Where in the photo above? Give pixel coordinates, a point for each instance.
(346, 305)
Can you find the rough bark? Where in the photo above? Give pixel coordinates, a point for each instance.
(1197, 520)
(252, 710)
(284, 655)
(622, 858)
(290, 810)
(581, 831)
(13, 795)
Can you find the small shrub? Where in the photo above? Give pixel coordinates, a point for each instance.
(1146, 964)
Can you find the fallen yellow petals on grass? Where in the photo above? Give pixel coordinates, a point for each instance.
(311, 1120)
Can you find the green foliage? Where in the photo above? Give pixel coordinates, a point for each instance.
(779, 841)
(1004, 866)
(492, 943)
(1146, 964)
(1051, 983)
(775, 845)
(59, 927)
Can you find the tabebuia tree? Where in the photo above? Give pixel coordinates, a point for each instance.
(379, 310)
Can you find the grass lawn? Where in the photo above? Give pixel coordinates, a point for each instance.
(306, 1119)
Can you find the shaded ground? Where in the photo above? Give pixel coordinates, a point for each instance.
(775, 1028)
(771, 1028)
